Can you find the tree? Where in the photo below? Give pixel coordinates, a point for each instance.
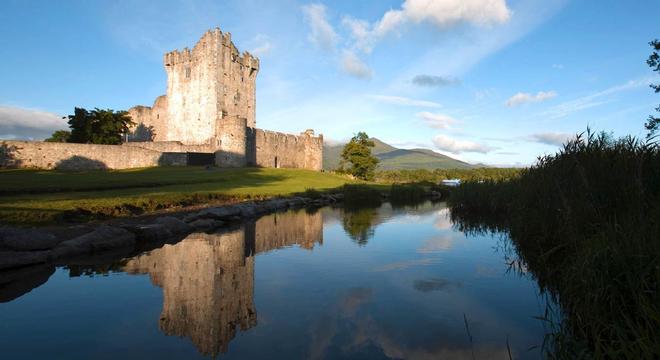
(99, 126)
(653, 123)
(61, 136)
(358, 153)
(142, 132)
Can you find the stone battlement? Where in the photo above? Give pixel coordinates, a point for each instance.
(211, 41)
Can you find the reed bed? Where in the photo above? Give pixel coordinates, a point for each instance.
(586, 223)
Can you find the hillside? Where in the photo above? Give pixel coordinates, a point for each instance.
(392, 158)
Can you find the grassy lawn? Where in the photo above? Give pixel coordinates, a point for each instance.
(37, 196)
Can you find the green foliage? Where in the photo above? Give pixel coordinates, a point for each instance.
(61, 136)
(586, 223)
(357, 153)
(437, 175)
(653, 123)
(360, 196)
(407, 194)
(99, 126)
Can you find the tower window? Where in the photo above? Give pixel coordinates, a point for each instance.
(187, 72)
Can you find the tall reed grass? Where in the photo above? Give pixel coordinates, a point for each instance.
(586, 221)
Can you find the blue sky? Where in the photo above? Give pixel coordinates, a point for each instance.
(492, 81)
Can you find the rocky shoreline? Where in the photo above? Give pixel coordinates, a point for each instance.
(29, 256)
(21, 247)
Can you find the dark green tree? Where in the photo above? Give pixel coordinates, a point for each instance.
(357, 153)
(61, 136)
(99, 126)
(653, 122)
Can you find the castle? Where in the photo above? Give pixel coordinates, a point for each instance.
(207, 117)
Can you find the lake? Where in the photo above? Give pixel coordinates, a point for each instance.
(375, 283)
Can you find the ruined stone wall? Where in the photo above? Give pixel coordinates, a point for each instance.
(154, 117)
(68, 156)
(172, 146)
(278, 150)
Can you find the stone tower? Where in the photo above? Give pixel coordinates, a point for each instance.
(210, 108)
(206, 85)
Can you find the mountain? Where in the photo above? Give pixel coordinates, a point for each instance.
(392, 158)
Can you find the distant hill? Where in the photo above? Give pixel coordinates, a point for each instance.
(392, 158)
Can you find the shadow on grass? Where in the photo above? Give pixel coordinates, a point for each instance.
(23, 181)
(172, 194)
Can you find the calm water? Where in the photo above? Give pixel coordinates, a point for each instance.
(372, 284)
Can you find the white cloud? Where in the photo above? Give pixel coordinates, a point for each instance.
(352, 65)
(558, 66)
(29, 124)
(441, 13)
(322, 34)
(523, 98)
(434, 81)
(445, 143)
(436, 120)
(551, 138)
(445, 13)
(593, 100)
(361, 33)
(262, 45)
(400, 100)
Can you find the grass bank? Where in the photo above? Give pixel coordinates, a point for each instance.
(37, 196)
(586, 223)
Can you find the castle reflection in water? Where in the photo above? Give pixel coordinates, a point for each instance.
(208, 279)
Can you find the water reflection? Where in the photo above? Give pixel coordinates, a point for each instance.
(208, 279)
(359, 224)
(387, 282)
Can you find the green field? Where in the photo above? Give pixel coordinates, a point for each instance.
(37, 196)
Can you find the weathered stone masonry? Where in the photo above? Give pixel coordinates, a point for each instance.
(210, 107)
(211, 99)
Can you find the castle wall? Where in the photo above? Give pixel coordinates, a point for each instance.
(279, 150)
(68, 156)
(172, 146)
(154, 117)
(232, 142)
